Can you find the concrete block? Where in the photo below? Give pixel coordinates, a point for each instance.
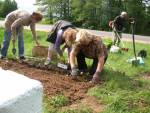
(19, 94)
(40, 51)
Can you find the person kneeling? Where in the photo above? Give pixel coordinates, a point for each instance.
(89, 46)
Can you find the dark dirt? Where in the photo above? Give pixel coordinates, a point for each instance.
(146, 76)
(54, 83)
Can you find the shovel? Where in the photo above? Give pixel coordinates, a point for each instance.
(123, 48)
(13, 49)
(136, 61)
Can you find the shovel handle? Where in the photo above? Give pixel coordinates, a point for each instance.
(14, 49)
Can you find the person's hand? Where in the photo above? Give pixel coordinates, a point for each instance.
(75, 72)
(95, 78)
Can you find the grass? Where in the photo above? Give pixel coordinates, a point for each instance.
(123, 90)
(54, 105)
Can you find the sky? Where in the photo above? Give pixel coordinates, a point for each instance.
(26, 5)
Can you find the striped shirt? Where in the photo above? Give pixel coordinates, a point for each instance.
(18, 19)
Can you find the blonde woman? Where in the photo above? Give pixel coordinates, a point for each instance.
(89, 46)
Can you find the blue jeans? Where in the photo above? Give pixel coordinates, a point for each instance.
(6, 42)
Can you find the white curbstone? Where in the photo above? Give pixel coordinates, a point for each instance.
(19, 94)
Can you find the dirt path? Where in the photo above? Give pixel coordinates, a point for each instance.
(53, 82)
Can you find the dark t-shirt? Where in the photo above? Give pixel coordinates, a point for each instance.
(61, 24)
(119, 23)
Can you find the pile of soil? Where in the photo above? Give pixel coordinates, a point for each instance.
(54, 83)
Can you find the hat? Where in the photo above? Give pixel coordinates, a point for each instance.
(123, 14)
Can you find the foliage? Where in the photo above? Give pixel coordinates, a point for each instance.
(124, 88)
(58, 101)
(6, 7)
(95, 14)
(54, 104)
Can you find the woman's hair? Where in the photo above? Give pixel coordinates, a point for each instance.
(69, 36)
(83, 36)
(124, 14)
(37, 16)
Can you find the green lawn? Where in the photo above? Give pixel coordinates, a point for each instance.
(124, 89)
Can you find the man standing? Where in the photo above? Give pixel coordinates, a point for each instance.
(118, 26)
(14, 23)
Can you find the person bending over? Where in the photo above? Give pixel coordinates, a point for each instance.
(58, 36)
(14, 23)
(89, 46)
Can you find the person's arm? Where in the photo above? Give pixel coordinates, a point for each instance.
(101, 61)
(100, 64)
(74, 68)
(115, 22)
(32, 27)
(14, 26)
(73, 54)
(58, 42)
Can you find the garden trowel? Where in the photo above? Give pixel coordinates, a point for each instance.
(13, 49)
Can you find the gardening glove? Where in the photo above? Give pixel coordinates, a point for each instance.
(95, 78)
(75, 72)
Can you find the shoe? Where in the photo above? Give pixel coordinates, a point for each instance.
(22, 58)
(47, 62)
(2, 57)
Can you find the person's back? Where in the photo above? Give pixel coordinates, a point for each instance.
(24, 16)
(119, 23)
(90, 44)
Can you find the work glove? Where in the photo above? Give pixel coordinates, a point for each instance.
(75, 72)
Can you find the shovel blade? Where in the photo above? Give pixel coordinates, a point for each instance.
(14, 51)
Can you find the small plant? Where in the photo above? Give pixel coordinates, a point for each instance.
(59, 101)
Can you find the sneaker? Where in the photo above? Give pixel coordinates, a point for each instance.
(2, 57)
(47, 62)
(22, 58)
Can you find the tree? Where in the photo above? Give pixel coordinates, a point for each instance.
(96, 14)
(8, 6)
(56, 9)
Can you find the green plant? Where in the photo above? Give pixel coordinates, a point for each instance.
(58, 101)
